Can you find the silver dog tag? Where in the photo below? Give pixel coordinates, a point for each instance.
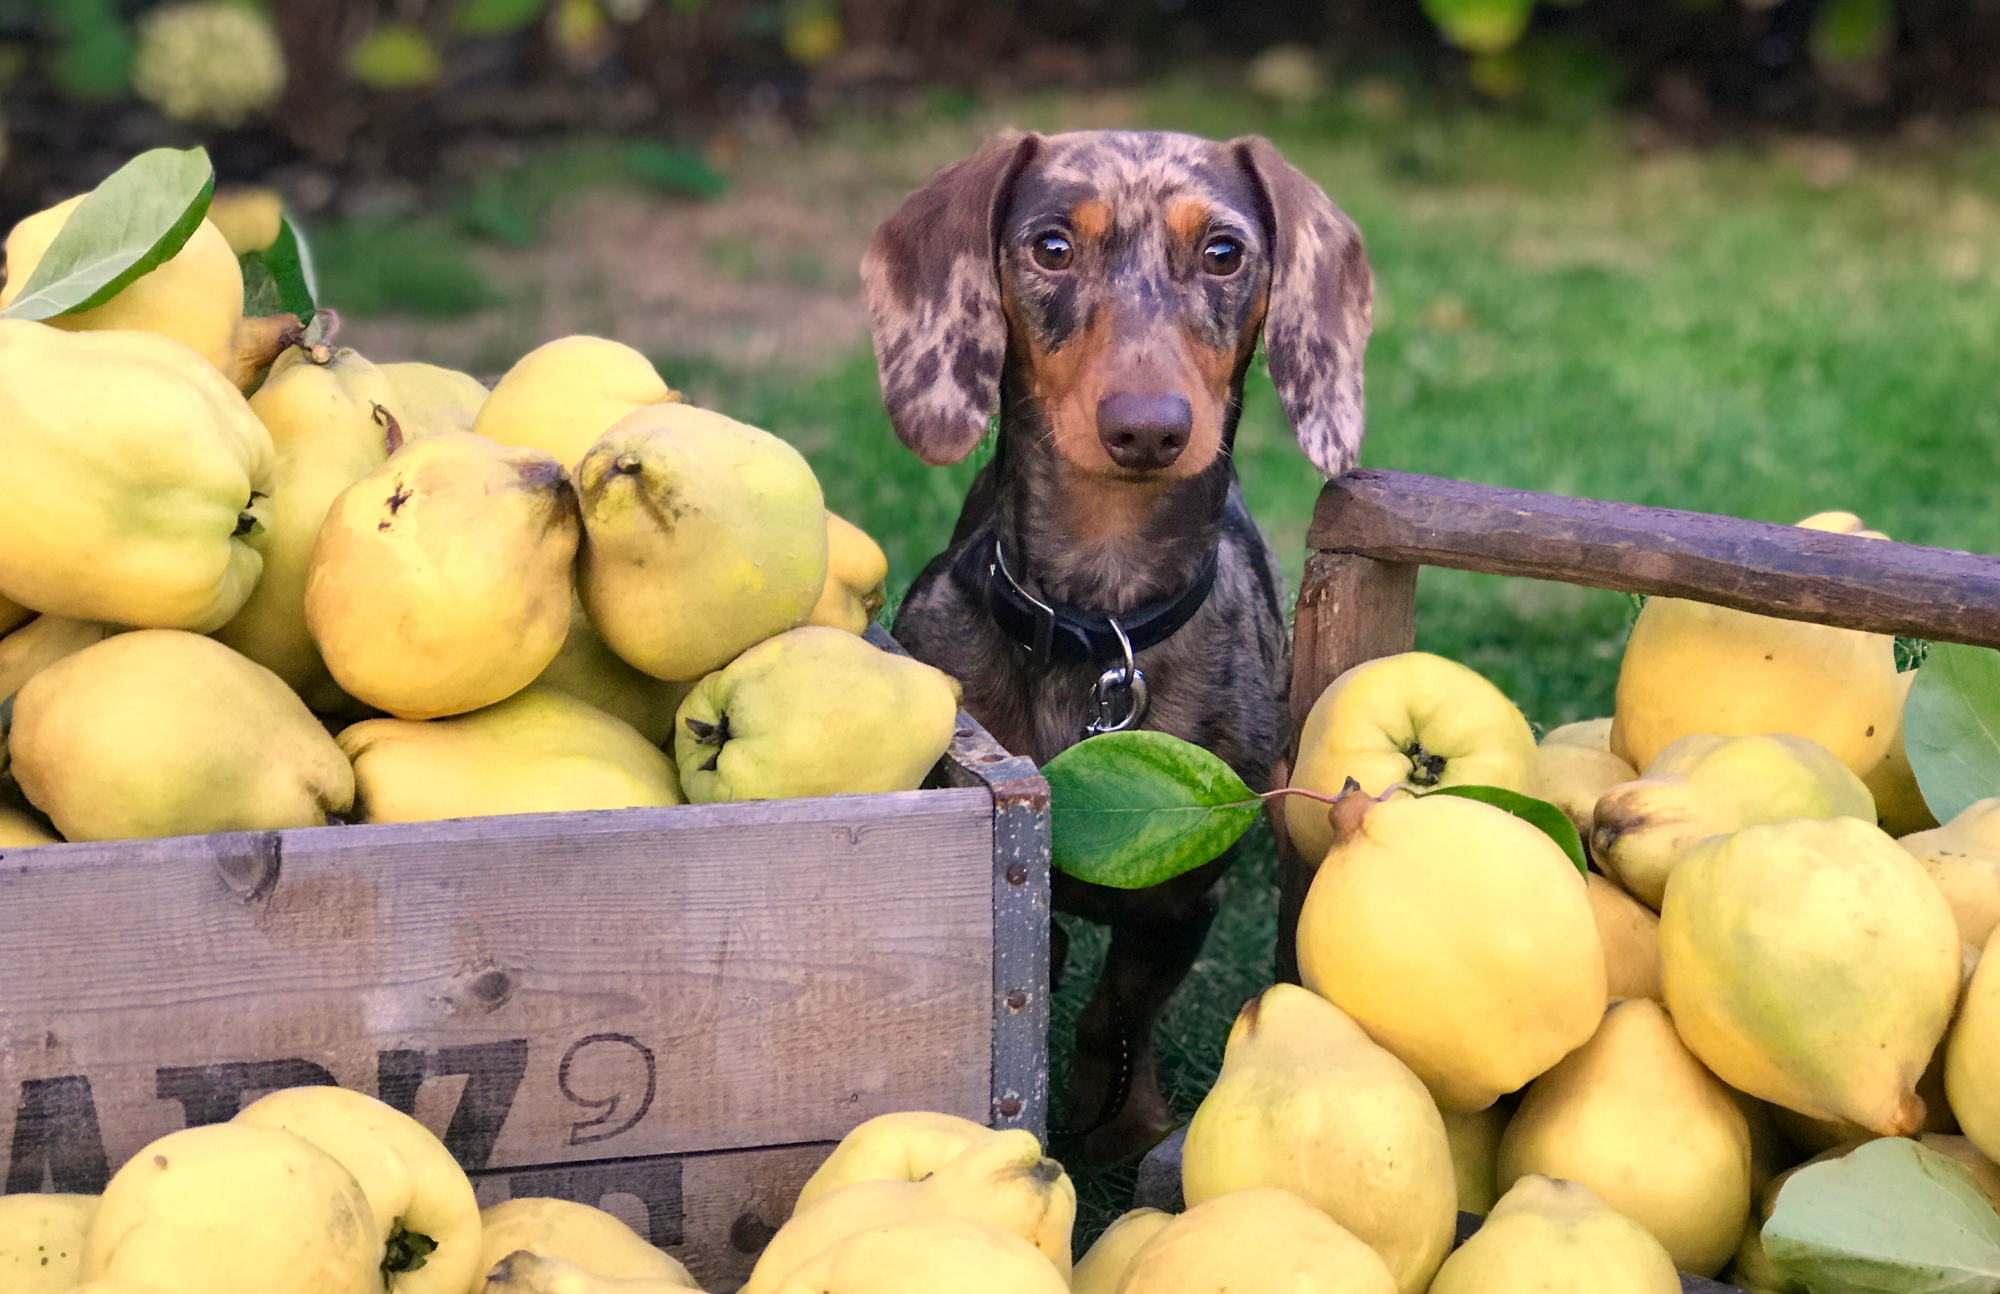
(1121, 697)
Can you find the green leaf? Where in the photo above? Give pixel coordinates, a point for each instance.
(1553, 822)
(275, 279)
(132, 223)
(1951, 727)
(1480, 26)
(1132, 809)
(395, 56)
(1892, 1217)
(675, 169)
(496, 17)
(1847, 32)
(93, 55)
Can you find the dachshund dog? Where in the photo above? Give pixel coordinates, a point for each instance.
(1105, 291)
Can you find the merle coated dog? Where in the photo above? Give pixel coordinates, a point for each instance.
(1105, 291)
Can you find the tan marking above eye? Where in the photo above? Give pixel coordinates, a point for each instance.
(1090, 218)
(1187, 219)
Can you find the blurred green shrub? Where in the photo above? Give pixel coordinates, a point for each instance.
(382, 266)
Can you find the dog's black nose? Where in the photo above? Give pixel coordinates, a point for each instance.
(1144, 433)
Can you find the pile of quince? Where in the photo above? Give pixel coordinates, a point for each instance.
(315, 1190)
(255, 593)
(1776, 955)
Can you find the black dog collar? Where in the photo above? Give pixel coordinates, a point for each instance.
(1058, 632)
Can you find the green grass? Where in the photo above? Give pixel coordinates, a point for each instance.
(1553, 313)
(422, 266)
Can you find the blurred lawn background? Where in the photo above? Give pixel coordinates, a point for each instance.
(1762, 331)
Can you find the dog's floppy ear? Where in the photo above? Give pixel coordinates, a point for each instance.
(933, 292)
(1322, 304)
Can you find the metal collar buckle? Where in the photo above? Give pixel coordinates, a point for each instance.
(1121, 694)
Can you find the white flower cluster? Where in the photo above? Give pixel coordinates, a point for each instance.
(208, 61)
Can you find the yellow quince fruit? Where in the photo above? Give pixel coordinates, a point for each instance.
(1963, 858)
(232, 1207)
(1475, 1154)
(1574, 766)
(20, 829)
(574, 1233)
(1635, 1117)
(41, 643)
(1556, 1237)
(561, 396)
(1812, 963)
(814, 711)
(159, 732)
(536, 752)
(907, 1146)
(1002, 1180)
(925, 1255)
(1459, 937)
(1899, 801)
(1258, 1239)
(195, 297)
(248, 217)
(41, 1242)
(425, 1213)
(135, 480)
(855, 571)
(1101, 1269)
(1691, 668)
(440, 582)
(1972, 1057)
(12, 616)
(523, 1272)
(329, 421)
(587, 669)
(1306, 1102)
(1414, 720)
(434, 399)
(702, 538)
(1706, 785)
(1630, 933)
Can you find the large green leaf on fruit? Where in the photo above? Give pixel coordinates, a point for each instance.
(1480, 26)
(1891, 1217)
(1132, 809)
(137, 220)
(278, 279)
(1550, 820)
(1951, 727)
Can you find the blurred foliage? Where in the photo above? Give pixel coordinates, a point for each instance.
(92, 44)
(375, 266)
(376, 89)
(395, 56)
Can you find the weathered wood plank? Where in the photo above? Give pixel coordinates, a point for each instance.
(714, 1212)
(1750, 565)
(1020, 922)
(538, 989)
(1350, 609)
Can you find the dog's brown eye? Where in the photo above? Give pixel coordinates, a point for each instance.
(1222, 256)
(1052, 252)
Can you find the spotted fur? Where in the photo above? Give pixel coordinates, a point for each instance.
(932, 276)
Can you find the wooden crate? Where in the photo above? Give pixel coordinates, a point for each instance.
(1372, 530)
(671, 1013)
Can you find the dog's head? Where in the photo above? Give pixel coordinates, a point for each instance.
(1128, 276)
